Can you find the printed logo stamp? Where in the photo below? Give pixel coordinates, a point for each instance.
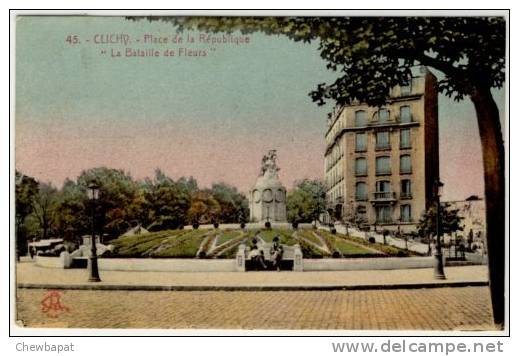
(52, 304)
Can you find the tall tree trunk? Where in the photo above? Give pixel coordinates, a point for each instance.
(18, 238)
(494, 172)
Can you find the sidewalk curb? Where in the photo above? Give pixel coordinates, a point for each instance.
(184, 288)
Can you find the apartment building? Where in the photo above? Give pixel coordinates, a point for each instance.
(381, 162)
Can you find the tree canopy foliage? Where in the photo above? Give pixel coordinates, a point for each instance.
(157, 203)
(306, 201)
(450, 220)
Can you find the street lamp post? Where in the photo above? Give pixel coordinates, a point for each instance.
(93, 196)
(438, 256)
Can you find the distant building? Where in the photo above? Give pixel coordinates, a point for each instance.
(381, 163)
(472, 210)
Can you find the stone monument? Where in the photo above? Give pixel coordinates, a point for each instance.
(267, 199)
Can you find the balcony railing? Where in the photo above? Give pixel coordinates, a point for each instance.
(382, 122)
(384, 196)
(406, 171)
(404, 120)
(384, 220)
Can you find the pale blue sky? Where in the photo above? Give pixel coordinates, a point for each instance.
(212, 117)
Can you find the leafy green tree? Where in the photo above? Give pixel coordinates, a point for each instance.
(233, 204)
(450, 220)
(204, 208)
(117, 191)
(167, 201)
(71, 218)
(25, 189)
(306, 201)
(43, 208)
(188, 184)
(373, 54)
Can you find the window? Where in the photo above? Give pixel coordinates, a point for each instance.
(383, 214)
(405, 164)
(405, 138)
(361, 191)
(383, 165)
(383, 115)
(405, 213)
(360, 142)
(360, 118)
(405, 114)
(383, 140)
(405, 89)
(361, 167)
(383, 191)
(405, 189)
(383, 186)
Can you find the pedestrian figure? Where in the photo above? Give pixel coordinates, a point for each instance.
(276, 253)
(257, 257)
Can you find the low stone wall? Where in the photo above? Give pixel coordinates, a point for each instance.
(250, 226)
(166, 265)
(50, 262)
(231, 265)
(358, 264)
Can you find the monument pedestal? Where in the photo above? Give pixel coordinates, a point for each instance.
(267, 199)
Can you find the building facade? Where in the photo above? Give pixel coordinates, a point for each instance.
(472, 211)
(381, 162)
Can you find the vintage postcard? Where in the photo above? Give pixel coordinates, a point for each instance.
(273, 172)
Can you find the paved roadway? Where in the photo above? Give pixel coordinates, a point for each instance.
(465, 308)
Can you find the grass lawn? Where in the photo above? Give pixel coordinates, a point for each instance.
(183, 246)
(285, 236)
(168, 243)
(137, 245)
(309, 235)
(247, 240)
(186, 243)
(386, 249)
(309, 251)
(348, 249)
(227, 235)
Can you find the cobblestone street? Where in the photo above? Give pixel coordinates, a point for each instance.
(466, 308)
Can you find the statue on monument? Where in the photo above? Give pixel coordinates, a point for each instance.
(268, 164)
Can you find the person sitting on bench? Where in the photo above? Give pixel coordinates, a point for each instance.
(257, 258)
(276, 253)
